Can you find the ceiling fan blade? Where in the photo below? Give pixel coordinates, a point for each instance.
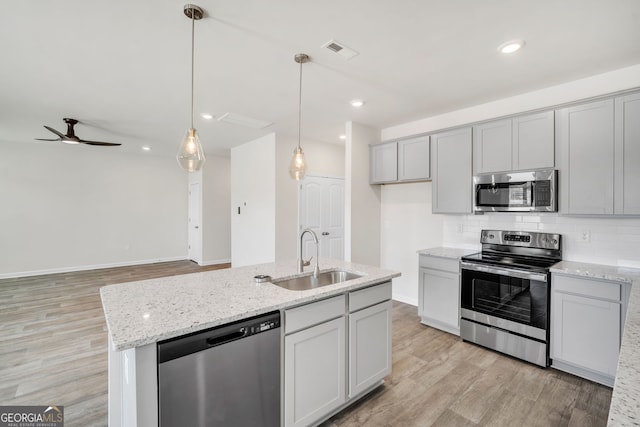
(106, 144)
(50, 129)
(42, 139)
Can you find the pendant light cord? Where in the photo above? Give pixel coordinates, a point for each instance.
(300, 104)
(193, 13)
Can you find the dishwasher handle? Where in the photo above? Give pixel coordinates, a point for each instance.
(223, 339)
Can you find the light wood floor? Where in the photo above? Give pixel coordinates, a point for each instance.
(53, 351)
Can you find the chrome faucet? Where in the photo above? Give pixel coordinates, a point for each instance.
(301, 262)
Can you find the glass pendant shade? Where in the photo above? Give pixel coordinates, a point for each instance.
(191, 154)
(298, 166)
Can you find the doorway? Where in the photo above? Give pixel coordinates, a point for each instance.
(321, 208)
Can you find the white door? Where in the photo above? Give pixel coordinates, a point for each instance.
(195, 232)
(321, 208)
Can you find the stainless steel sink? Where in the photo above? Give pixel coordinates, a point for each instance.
(304, 283)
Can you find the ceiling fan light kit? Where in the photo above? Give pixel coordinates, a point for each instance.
(298, 166)
(191, 154)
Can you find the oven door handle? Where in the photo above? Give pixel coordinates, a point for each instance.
(503, 272)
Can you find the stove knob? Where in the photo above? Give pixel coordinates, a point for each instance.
(491, 236)
(554, 241)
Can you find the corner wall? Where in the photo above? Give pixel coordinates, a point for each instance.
(362, 200)
(216, 210)
(253, 191)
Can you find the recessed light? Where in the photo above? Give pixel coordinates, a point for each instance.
(357, 103)
(343, 137)
(511, 46)
(206, 116)
(146, 148)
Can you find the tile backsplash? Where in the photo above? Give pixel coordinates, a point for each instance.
(598, 240)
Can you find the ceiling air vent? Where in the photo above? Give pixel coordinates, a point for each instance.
(342, 50)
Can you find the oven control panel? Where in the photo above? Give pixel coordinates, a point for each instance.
(528, 239)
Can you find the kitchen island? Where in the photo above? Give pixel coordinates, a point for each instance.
(139, 314)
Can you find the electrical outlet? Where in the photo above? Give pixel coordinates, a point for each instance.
(586, 236)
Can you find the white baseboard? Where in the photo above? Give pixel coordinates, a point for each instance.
(405, 299)
(215, 262)
(88, 267)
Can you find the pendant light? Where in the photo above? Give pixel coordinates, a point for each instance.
(298, 166)
(191, 154)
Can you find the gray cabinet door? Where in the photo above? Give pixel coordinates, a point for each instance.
(452, 182)
(369, 347)
(413, 159)
(586, 147)
(492, 147)
(439, 302)
(533, 141)
(627, 155)
(383, 163)
(315, 372)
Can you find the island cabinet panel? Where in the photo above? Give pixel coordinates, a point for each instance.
(439, 293)
(383, 163)
(451, 164)
(315, 372)
(585, 135)
(369, 337)
(627, 155)
(587, 317)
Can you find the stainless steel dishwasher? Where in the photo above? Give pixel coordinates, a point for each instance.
(225, 376)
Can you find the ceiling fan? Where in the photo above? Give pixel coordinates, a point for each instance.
(71, 138)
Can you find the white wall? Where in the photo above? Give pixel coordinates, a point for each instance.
(216, 210)
(407, 227)
(253, 190)
(68, 207)
(362, 200)
(322, 160)
(612, 241)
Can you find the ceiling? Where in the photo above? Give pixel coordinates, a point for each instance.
(123, 67)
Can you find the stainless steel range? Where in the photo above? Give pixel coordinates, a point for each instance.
(505, 293)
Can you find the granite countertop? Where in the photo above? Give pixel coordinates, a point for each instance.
(144, 312)
(625, 401)
(444, 252)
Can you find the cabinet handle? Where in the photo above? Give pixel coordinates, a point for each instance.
(325, 233)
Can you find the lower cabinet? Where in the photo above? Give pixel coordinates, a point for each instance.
(587, 317)
(369, 347)
(314, 372)
(326, 365)
(439, 293)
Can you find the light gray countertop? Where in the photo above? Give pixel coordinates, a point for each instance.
(144, 312)
(625, 401)
(444, 252)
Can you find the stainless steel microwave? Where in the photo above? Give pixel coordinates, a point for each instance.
(522, 191)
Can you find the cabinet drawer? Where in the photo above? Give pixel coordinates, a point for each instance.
(313, 313)
(587, 287)
(369, 296)
(437, 263)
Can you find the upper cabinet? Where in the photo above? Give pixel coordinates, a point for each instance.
(383, 163)
(520, 143)
(586, 148)
(451, 187)
(627, 155)
(406, 160)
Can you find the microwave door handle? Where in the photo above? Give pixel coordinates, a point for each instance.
(504, 272)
